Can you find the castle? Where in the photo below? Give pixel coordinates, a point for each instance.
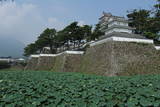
(110, 23)
(118, 52)
(117, 28)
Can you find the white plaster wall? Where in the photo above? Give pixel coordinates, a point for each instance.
(110, 19)
(122, 39)
(118, 30)
(6, 60)
(106, 18)
(122, 23)
(122, 30)
(157, 47)
(53, 55)
(101, 41)
(74, 52)
(110, 31)
(111, 24)
(35, 56)
(117, 23)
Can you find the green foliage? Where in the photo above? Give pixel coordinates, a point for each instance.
(47, 38)
(77, 90)
(86, 32)
(69, 34)
(157, 9)
(157, 40)
(30, 49)
(96, 33)
(150, 35)
(146, 22)
(139, 19)
(156, 12)
(72, 34)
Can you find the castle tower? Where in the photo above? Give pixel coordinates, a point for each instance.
(110, 23)
(104, 20)
(116, 26)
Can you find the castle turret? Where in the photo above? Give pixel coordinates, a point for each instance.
(110, 24)
(104, 20)
(116, 26)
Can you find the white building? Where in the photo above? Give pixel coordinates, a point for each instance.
(117, 29)
(110, 24)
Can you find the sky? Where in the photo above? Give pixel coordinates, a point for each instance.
(24, 20)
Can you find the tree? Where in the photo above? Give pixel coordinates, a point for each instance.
(86, 32)
(157, 9)
(47, 38)
(83, 34)
(66, 36)
(139, 20)
(73, 34)
(96, 33)
(146, 22)
(30, 49)
(150, 35)
(156, 18)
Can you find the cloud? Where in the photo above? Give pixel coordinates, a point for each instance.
(24, 22)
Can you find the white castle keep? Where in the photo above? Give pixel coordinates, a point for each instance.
(117, 29)
(110, 24)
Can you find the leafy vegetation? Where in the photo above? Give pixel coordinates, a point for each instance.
(72, 89)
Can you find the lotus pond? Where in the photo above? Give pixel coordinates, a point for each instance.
(42, 88)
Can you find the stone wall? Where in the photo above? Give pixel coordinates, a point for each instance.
(32, 63)
(110, 58)
(65, 62)
(72, 63)
(137, 58)
(45, 63)
(121, 58)
(97, 59)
